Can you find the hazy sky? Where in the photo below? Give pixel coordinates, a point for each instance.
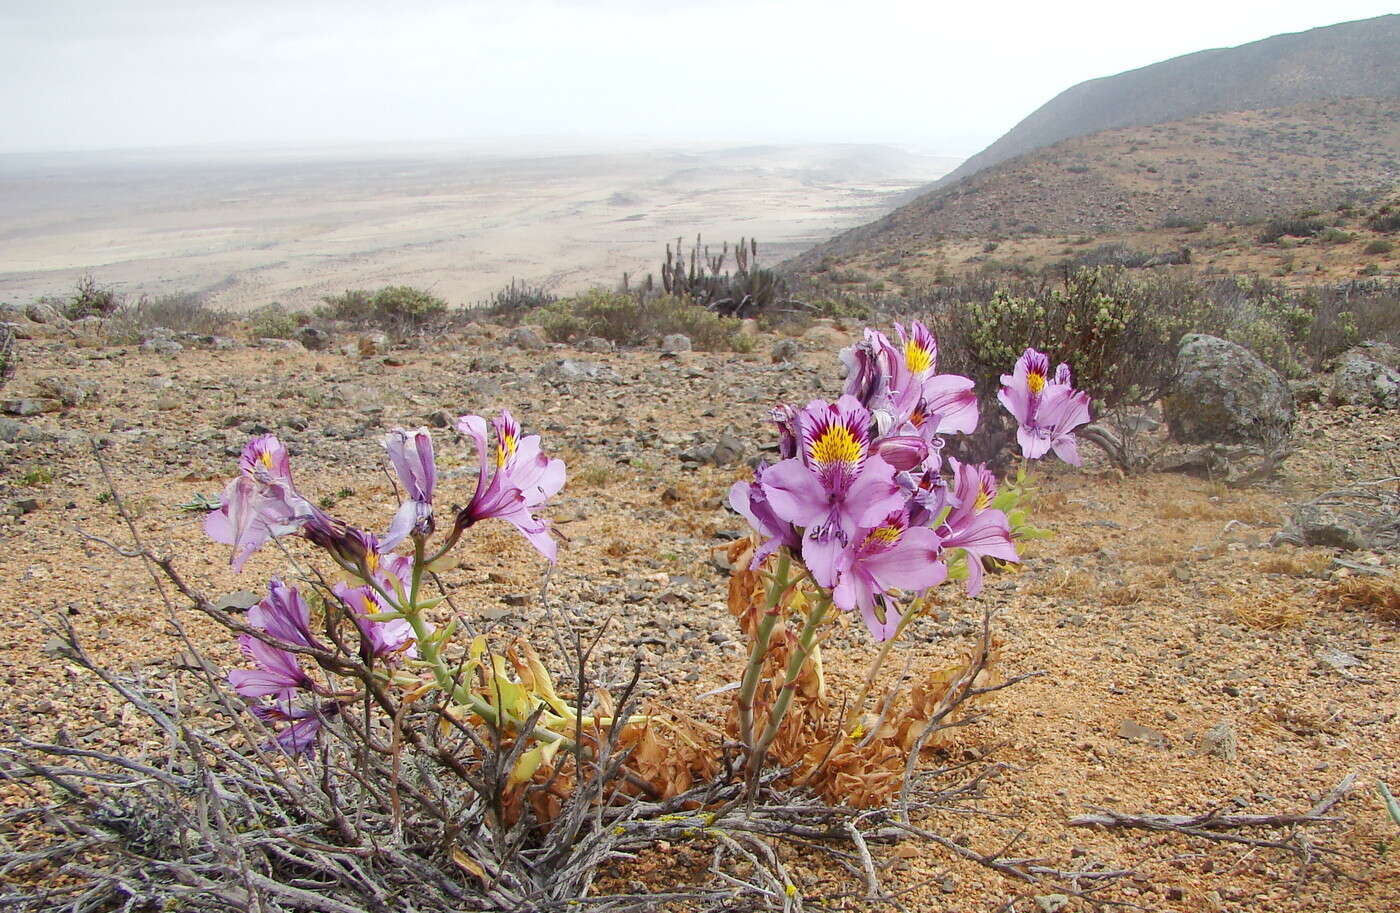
(85, 74)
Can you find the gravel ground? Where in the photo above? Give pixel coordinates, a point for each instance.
(1158, 610)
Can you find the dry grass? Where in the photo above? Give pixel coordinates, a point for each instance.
(1267, 613)
(1066, 583)
(1381, 596)
(1296, 565)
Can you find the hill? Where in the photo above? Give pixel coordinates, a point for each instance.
(1337, 61)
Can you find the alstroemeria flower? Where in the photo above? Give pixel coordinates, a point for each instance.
(749, 500)
(306, 723)
(284, 615)
(867, 370)
(522, 479)
(1046, 411)
(890, 556)
(377, 638)
(973, 525)
(261, 503)
(411, 452)
(278, 673)
(835, 485)
(920, 394)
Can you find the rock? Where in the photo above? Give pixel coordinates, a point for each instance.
(68, 392)
(314, 338)
(1361, 382)
(30, 405)
(568, 370)
(1135, 732)
(784, 350)
(1227, 395)
(372, 345)
(1337, 660)
(46, 314)
(1306, 391)
(595, 344)
(674, 343)
(486, 364)
(161, 345)
(1051, 903)
(241, 601)
(1221, 741)
(1371, 350)
(13, 432)
(21, 506)
(826, 337)
(527, 338)
(728, 450)
(1316, 524)
(516, 599)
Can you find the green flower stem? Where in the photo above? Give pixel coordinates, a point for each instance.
(858, 705)
(805, 642)
(772, 612)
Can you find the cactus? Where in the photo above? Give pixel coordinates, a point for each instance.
(702, 278)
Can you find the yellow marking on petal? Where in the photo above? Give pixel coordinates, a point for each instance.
(918, 358)
(886, 534)
(505, 450)
(918, 417)
(983, 500)
(265, 458)
(1035, 381)
(836, 445)
(371, 561)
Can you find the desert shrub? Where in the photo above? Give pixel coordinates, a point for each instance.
(9, 354)
(396, 307)
(183, 313)
(1183, 222)
(634, 320)
(91, 300)
(273, 321)
(1335, 236)
(516, 298)
(1371, 269)
(1299, 226)
(1386, 219)
(1380, 246)
(1125, 257)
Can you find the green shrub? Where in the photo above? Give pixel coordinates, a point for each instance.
(1300, 226)
(515, 299)
(1380, 246)
(1335, 236)
(398, 307)
(92, 300)
(631, 320)
(1386, 219)
(273, 321)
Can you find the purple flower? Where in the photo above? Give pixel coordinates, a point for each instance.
(284, 615)
(947, 402)
(377, 638)
(261, 503)
(306, 722)
(411, 452)
(1046, 411)
(749, 500)
(834, 486)
(522, 479)
(277, 672)
(973, 525)
(890, 556)
(867, 370)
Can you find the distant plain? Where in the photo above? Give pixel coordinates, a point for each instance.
(247, 228)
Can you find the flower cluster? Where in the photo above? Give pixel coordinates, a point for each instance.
(382, 597)
(860, 497)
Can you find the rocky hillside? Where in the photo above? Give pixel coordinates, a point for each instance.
(1339, 61)
(1231, 167)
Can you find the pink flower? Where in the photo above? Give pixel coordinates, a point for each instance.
(277, 672)
(834, 486)
(284, 615)
(261, 503)
(1046, 411)
(411, 452)
(522, 479)
(377, 638)
(890, 556)
(973, 525)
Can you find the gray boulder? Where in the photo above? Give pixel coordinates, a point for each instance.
(569, 370)
(675, 343)
(1227, 395)
(1359, 381)
(527, 338)
(314, 338)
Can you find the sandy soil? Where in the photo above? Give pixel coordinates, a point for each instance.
(1157, 603)
(254, 228)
